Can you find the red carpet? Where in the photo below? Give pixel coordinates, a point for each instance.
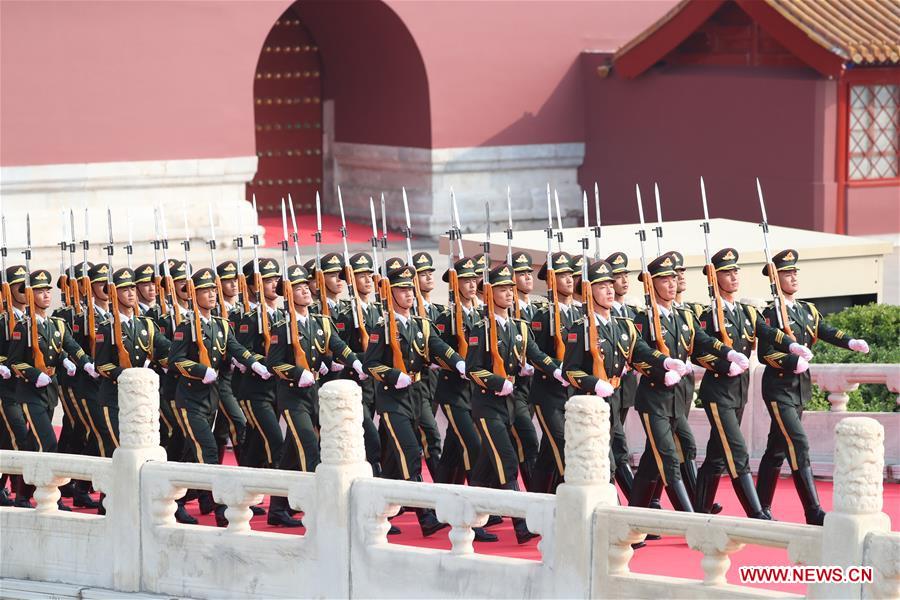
(669, 556)
(357, 233)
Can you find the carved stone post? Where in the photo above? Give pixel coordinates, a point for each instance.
(139, 443)
(343, 460)
(586, 487)
(858, 491)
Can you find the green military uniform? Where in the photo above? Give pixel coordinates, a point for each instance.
(453, 393)
(549, 396)
(724, 396)
(418, 347)
(332, 262)
(142, 342)
(352, 336)
(786, 392)
(257, 395)
(493, 405)
(619, 346)
(660, 406)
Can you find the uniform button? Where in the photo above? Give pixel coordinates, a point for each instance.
(385, 387)
(652, 384)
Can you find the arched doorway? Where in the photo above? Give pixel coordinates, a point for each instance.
(287, 97)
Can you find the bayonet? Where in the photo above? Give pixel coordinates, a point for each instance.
(658, 229)
(220, 294)
(774, 283)
(649, 292)
(559, 227)
(358, 320)
(295, 236)
(597, 228)
(129, 249)
(712, 284)
(320, 276)
(419, 300)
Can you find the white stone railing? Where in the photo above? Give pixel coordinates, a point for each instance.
(840, 379)
(585, 546)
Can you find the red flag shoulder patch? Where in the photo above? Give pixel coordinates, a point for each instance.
(244, 328)
(162, 330)
(639, 327)
(768, 321)
(179, 335)
(703, 324)
(273, 339)
(374, 337)
(340, 326)
(76, 327)
(537, 325)
(100, 337)
(441, 327)
(473, 339)
(573, 337)
(17, 335)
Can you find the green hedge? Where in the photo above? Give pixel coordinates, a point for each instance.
(879, 325)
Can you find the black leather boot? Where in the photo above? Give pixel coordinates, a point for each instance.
(81, 497)
(494, 520)
(809, 497)
(766, 482)
(206, 502)
(746, 493)
(625, 478)
(221, 521)
(678, 496)
(705, 493)
(182, 516)
(5, 500)
(523, 534)
(642, 490)
(67, 490)
(656, 495)
(481, 535)
(61, 506)
(689, 476)
(526, 468)
(278, 514)
(428, 521)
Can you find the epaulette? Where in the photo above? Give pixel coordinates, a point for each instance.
(539, 300)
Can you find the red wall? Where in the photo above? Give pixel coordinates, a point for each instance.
(730, 125)
(873, 210)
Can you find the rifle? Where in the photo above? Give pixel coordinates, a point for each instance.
(220, 295)
(509, 237)
(781, 315)
(712, 283)
(387, 300)
(124, 357)
(457, 326)
(196, 325)
(597, 228)
(359, 320)
(377, 275)
(34, 340)
(320, 276)
(157, 277)
(175, 313)
(591, 338)
(490, 326)
(262, 311)
(656, 335)
(6, 291)
(243, 293)
(293, 335)
(658, 229)
(559, 227)
(90, 325)
(552, 296)
(129, 249)
(65, 294)
(295, 236)
(419, 301)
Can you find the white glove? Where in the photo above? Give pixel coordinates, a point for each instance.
(734, 370)
(527, 370)
(336, 367)
(210, 376)
(43, 380)
(858, 346)
(671, 378)
(357, 366)
(4, 372)
(403, 381)
(324, 370)
(742, 361)
(673, 364)
(507, 388)
(261, 370)
(461, 368)
(802, 365)
(70, 366)
(90, 370)
(146, 362)
(238, 365)
(801, 350)
(306, 379)
(557, 374)
(603, 389)
(434, 367)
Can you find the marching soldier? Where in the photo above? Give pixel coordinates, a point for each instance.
(310, 266)
(599, 372)
(549, 392)
(257, 390)
(231, 423)
(200, 344)
(787, 387)
(177, 313)
(332, 267)
(523, 432)
(724, 389)
(493, 406)
(453, 391)
(394, 362)
(364, 284)
(658, 401)
(295, 357)
(425, 387)
(140, 344)
(41, 344)
(145, 287)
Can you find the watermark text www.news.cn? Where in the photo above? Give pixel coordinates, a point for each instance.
(805, 574)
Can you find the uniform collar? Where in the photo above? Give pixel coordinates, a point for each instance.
(665, 311)
(401, 318)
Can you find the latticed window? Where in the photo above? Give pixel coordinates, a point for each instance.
(874, 151)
